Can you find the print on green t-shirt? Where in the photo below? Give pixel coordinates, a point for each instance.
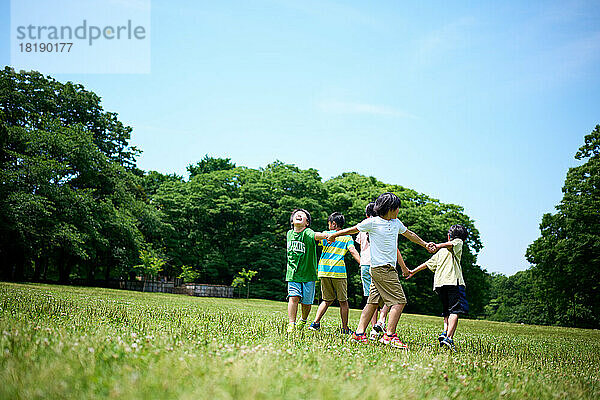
(301, 256)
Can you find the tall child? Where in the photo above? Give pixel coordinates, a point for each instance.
(301, 266)
(448, 281)
(332, 272)
(383, 235)
(365, 275)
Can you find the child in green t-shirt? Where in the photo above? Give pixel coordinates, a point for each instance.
(301, 266)
(448, 281)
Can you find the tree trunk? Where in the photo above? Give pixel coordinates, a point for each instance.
(7, 260)
(107, 273)
(37, 270)
(92, 271)
(18, 267)
(64, 267)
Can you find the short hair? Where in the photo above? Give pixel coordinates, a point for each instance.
(458, 231)
(385, 203)
(308, 218)
(369, 210)
(338, 219)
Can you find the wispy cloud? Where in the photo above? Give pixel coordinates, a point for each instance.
(341, 107)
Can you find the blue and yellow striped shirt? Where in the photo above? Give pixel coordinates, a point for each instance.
(331, 263)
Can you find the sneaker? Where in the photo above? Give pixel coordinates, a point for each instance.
(346, 331)
(301, 324)
(379, 327)
(315, 326)
(441, 337)
(290, 327)
(359, 338)
(374, 335)
(448, 342)
(393, 341)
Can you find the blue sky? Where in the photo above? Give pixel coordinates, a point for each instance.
(481, 105)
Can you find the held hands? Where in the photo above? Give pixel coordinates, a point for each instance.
(330, 238)
(431, 247)
(411, 273)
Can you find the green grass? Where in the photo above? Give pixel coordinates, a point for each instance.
(71, 342)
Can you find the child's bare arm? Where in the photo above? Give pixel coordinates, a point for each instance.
(320, 236)
(348, 231)
(447, 245)
(354, 253)
(414, 271)
(413, 237)
(405, 270)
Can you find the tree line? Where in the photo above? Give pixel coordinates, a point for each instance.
(74, 206)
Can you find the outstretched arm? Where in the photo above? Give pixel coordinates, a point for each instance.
(447, 245)
(413, 237)
(320, 236)
(354, 253)
(348, 231)
(414, 271)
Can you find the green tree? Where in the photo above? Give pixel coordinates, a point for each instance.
(515, 299)
(243, 278)
(210, 164)
(70, 206)
(151, 265)
(566, 256)
(188, 274)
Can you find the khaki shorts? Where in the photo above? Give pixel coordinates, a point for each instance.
(385, 285)
(332, 288)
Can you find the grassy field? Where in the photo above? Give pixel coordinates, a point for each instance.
(72, 342)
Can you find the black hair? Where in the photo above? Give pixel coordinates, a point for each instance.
(369, 210)
(385, 203)
(338, 219)
(308, 218)
(458, 231)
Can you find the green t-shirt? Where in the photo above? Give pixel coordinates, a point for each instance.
(301, 256)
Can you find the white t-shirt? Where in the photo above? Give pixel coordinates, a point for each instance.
(383, 235)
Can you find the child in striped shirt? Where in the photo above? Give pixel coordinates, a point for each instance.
(332, 272)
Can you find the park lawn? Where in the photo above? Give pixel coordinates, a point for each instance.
(76, 342)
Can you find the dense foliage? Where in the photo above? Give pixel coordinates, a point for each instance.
(70, 203)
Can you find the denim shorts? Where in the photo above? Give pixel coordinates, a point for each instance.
(304, 290)
(365, 276)
(454, 299)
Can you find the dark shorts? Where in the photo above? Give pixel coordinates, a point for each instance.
(454, 299)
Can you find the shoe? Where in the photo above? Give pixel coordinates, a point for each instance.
(301, 324)
(315, 326)
(346, 331)
(359, 338)
(441, 337)
(393, 341)
(379, 327)
(290, 327)
(448, 342)
(374, 335)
